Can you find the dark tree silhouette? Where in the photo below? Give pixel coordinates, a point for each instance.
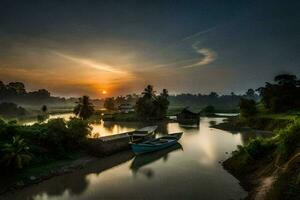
(247, 107)
(84, 108)
(44, 109)
(109, 104)
(150, 106)
(149, 92)
(282, 96)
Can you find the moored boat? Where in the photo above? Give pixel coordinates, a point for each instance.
(142, 134)
(156, 144)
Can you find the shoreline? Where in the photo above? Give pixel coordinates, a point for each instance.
(84, 163)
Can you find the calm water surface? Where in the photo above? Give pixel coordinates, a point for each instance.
(189, 170)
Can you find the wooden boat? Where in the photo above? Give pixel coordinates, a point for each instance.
(142, 134)
(156, 144)
(145, 159)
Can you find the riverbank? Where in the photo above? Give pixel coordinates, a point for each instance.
(95, 149)
(267, 168)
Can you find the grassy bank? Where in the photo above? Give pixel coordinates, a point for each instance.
(268, 167)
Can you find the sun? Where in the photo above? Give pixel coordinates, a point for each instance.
(104, 92)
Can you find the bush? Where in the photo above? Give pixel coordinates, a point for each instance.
(256, 148)
(16, 153)
(290, 138)
(54, 133)
(78, 130)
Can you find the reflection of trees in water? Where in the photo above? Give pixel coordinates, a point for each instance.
(109, 126)
(146, 159)
(76, 182)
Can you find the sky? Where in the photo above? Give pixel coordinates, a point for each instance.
(87, 47)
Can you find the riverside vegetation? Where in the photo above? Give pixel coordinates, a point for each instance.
(269, 167)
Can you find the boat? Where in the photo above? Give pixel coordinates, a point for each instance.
(156, 144)
(142, 134)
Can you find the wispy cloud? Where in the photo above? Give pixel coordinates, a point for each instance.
(89, 63)
(195, 35)
(209, 56)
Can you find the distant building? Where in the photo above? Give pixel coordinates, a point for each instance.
(126, 108)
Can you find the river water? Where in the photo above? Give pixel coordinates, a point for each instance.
(189, 170)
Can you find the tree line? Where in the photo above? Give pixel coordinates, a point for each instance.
(280, 96)
(15, 92)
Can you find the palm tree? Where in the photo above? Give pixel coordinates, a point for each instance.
(84, 108)
(149, 92)
(16, 154)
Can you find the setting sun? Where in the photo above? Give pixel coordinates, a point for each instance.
(104, 92)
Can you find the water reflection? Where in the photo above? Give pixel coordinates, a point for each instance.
(123, 176)
(146, 159)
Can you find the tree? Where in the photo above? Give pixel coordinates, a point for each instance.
(109, 104)
(152, 107)
(209, 109)
(18, 87)
(282, 96)
(247, 107)
(213, 95)
(250, 93)
(286, 79)
(149, 92)
(161, 104)
(16, 154)
(84, 108)
(44, 109)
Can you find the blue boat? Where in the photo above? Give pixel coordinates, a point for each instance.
(156, 144)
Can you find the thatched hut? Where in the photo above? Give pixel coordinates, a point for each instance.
(188, 117)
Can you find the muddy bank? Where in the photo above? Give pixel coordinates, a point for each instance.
(273, 175)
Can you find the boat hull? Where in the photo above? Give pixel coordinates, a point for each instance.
(146, 148)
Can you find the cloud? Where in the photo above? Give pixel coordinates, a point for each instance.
(208, 56)
(89, 63)
(200, 33)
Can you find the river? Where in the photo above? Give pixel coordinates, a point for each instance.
(189, 170)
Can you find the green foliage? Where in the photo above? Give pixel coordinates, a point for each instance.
(46, 140)
(247, 107)
(151, 106)
(84, 108)
(282, 96)
(78, 130)
(290, 137)
(259, 147)
(16, 154)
